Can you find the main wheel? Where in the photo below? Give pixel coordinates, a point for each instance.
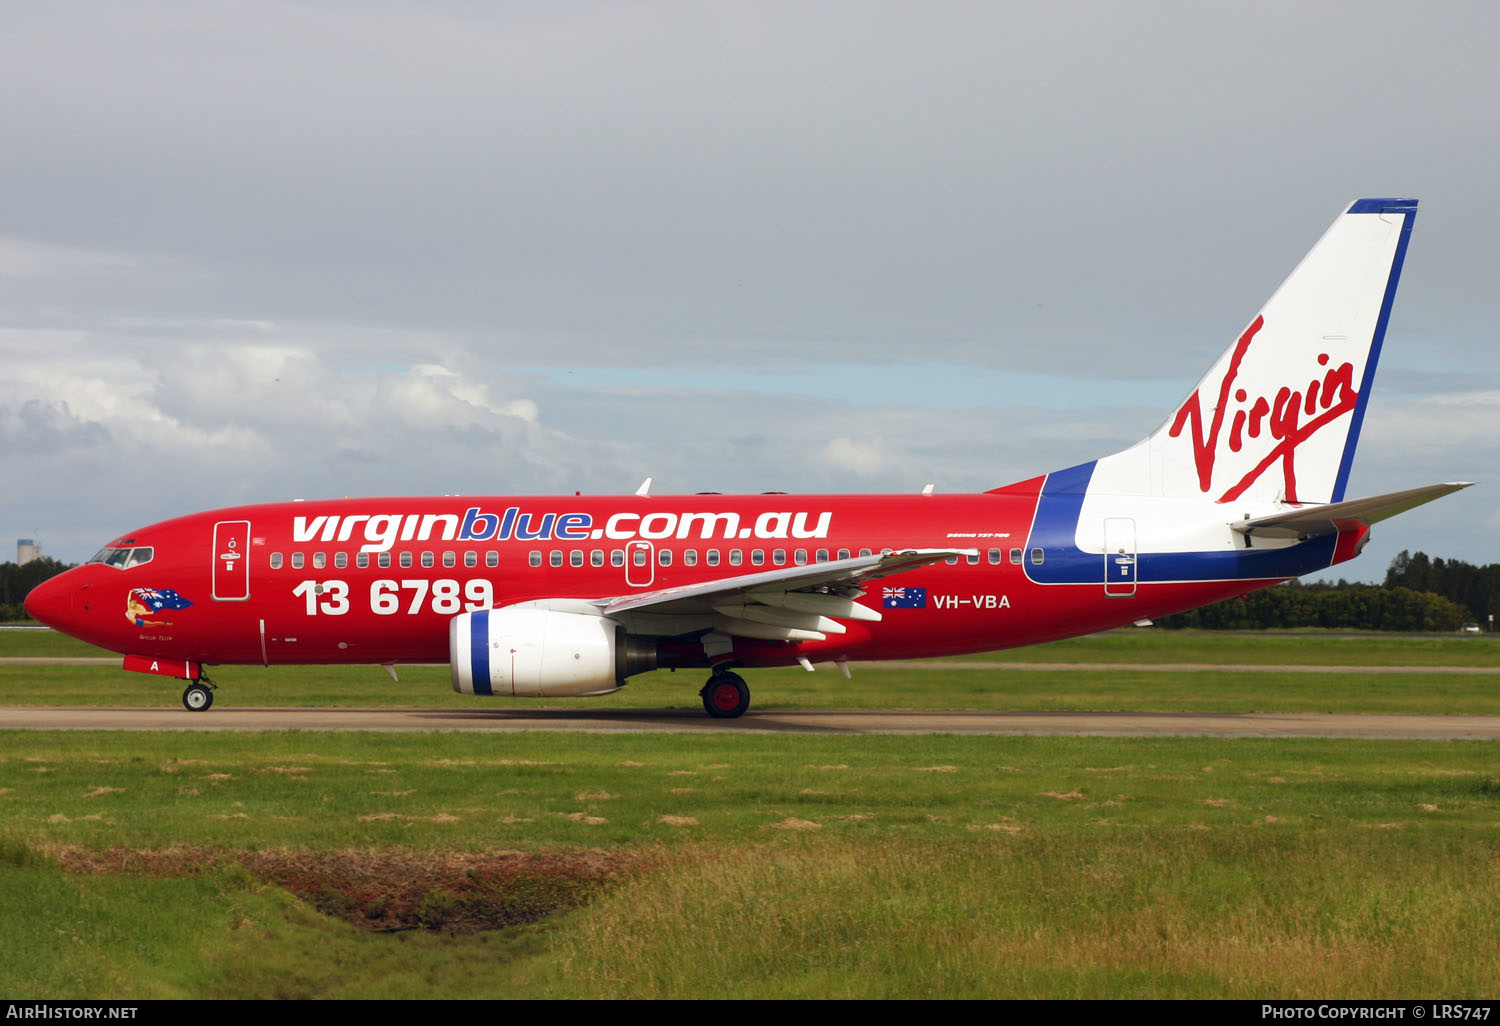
(726, 695)
(197, 697)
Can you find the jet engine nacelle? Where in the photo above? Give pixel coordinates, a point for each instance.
(529, 652)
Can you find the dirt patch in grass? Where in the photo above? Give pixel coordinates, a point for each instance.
(447, 892)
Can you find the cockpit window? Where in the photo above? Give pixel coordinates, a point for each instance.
(123, 559)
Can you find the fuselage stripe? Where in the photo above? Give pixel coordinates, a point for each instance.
(1055, 529)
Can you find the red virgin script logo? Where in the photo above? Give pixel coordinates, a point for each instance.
(1280, 419)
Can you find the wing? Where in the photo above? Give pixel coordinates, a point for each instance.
(795, 603)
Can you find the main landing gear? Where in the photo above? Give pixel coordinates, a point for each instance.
(726, 695)
(199, 695)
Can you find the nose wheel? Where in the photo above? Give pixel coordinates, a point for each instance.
(726, 696)
(198, 696)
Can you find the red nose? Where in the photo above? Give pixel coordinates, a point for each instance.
(51, 603)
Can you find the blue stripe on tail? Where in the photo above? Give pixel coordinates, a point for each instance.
(1407, 207)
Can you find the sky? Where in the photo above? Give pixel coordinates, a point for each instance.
(254, 251)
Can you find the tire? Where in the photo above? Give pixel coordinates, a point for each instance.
(197, 698)
(726, 696)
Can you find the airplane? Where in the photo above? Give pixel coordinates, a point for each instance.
(1240, 488)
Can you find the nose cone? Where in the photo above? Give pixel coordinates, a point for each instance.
(51, 603)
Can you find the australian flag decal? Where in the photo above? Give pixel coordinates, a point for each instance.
(156, 599)
(904, 598)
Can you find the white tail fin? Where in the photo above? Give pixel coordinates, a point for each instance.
(1278, 416)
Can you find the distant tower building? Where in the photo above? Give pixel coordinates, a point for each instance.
(27, 550)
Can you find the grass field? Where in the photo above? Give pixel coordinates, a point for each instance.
(748, 866)
(300, 864)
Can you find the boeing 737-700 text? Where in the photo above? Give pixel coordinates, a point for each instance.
(1241, 487)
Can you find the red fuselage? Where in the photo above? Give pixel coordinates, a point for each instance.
(378, 580)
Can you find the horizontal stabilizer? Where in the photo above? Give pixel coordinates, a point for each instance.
(1310, 521)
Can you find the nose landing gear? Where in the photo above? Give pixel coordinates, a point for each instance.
(199, 695)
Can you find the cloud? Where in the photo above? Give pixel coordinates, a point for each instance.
(860, 457)
(171, 428)
(26, 259)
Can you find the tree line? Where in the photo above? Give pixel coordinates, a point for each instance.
(18, 579)
(1345, 606)
(1476, 588)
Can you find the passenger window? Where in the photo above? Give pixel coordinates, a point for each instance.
(405, 559)
(736, 557)
(758, 557)
(972, 558)
(1015, 557)
(492, 558)
(865, 552)
(341, 559)
(275, 561)
(800, 556)
(362, 560)
(471, 558)
(994, 557)
(319, 560)
(555, 557)
(383, 560)
(843, 553)
(450, 559)
(596, 558)
(639, 557)
(822, 555)
(712, 558)
(576, 557)
(296, 561)
(664, 557)
(617, 557)
(427, 559)
(690, 557)
(1037, 556)
(535, 559)
(951, 561)
(779, 557)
